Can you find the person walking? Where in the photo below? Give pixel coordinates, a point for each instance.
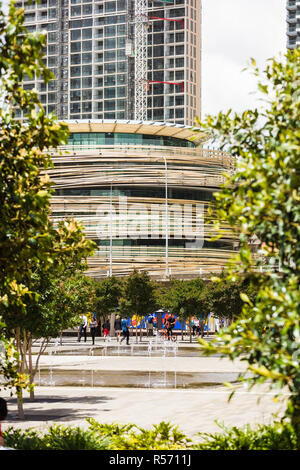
(150, 325)
(194, 325)
(125, 330)
(170, 325)
(106, 328)
(118, 327)
(93, 326)
(82, 327)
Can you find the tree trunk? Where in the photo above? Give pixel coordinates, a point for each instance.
(136, 329)
(31, 371)
(20, 404)
(190, 326)
(21, 370)
(112, 324)
(141, 333)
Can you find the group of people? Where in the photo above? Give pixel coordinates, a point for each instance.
(121, 327)
(198, 326)
(82, 330)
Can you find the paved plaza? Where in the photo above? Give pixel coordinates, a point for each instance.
(192, 409)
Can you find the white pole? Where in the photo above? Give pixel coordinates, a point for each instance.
(110, 232)
(167, 218)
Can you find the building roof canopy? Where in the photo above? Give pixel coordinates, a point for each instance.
(138, 127)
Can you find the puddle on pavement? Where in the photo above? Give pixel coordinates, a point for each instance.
(139, 379)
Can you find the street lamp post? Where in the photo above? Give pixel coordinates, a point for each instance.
(110, 233)
(167, 217)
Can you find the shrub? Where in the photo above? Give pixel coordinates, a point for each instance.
(57, 438)
(277, 436)
(163, 436)
(131, 437)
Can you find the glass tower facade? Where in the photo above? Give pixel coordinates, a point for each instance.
(90, 50)
(293, 23)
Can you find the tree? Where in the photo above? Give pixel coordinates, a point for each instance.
(9, 365)
(184, 299)
(262, 198)
(223, 295)
(59, 303)
(138, 297)
(108, 292)
(29, 242)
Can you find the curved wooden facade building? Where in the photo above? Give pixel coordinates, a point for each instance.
(142, 191)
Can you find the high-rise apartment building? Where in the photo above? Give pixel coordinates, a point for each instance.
(293, 23)
(91, 49)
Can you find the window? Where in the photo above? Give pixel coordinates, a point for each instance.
(52, 37)
(110, 43)
(75, 108)
(76, 46)
(121, 92)
(121, 104)
(110, 7)
(109, 55)
(52, 13)
(75, 34)
(87, 33)
(87, 70)
(76, 11)
(87, 58)
(86, 94)
(75, 83)
(87, 82)
(87, 9)
(109, 93)
(121, 79)
(87, 45)
(87, 107)
(110, 31)
(51, 97)
(109, 105)
(158, 51)
(75, 95)
(75, 59)
(110, 68)
(52, 49)
(75, 71)
(110, 80)
(52, 61)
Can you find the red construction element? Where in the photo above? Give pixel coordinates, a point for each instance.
(168, 83)
(167, 19)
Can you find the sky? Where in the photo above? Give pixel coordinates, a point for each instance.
(233, 31)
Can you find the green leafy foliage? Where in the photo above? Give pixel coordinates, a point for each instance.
(33, 251)
(138, 296)
(131, 437)
(261, 198)
(278, 436)
(163, 436)
(57, 438)
(108, 293)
